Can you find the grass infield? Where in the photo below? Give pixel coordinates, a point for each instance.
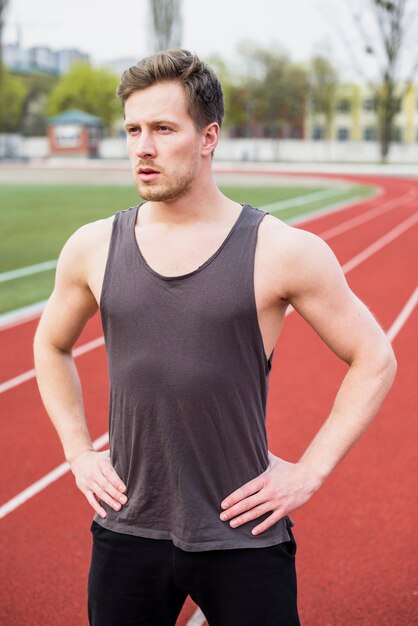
(35, 222)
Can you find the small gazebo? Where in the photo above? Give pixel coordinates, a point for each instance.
(74, 133)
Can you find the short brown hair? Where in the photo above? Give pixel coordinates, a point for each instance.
(203, 90)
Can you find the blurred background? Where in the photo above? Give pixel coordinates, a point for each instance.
(321, 130)
(307, 80)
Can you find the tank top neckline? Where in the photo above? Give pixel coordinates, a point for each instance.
(198, 269)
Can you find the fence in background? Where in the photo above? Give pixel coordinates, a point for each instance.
(254, 150)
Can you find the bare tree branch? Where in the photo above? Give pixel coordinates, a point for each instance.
(166, 23)
(383, 36)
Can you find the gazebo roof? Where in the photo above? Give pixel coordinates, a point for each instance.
(75, 116)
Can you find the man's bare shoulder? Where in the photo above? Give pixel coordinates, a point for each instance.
(279, 238)
(297, 256)
(91, 233)
(87, 237)
(85, 247)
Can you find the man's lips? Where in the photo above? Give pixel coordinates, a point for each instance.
(147, 173)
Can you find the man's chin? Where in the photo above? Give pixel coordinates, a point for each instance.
(148, 193)
(157, 195)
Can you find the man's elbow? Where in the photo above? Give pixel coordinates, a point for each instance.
(387, 363)
(378, 359)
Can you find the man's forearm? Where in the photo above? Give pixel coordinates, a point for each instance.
(60, 389)
(362, 392)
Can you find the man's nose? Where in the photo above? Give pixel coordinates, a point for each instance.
(145, 146)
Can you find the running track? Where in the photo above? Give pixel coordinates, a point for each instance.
(356, 538)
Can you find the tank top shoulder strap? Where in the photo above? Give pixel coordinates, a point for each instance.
(126, 218)
(243, 239)
(122, 229)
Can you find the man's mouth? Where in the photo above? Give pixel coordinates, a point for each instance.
(147, 174)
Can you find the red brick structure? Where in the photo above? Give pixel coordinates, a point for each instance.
(74, 134)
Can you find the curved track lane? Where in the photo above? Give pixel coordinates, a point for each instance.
(355, 536)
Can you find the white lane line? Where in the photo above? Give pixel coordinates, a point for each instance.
(277, 206)
(28, 270)
(27, 314)
(351, 264)
(328, 209)
(22, 315)
(197, 619)
(22, 378)
(403, 316)
(380, 243)
(44, 482)
(283, 205)
(62, 469)
(366, 216)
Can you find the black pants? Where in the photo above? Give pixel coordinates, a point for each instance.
(144, 582)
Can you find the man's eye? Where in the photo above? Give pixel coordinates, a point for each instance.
(164, 129)
(132, 131)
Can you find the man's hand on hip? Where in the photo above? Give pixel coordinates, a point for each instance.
(97, 479)
(281, 489)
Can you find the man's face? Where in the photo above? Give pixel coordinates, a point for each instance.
(164, 145)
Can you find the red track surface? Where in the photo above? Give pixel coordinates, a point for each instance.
(357, 538)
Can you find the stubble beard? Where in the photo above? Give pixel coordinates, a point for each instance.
(167, 192)
(175, 187)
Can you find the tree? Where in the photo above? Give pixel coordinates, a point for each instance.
(3, 7)
(12, 99)
(323, 85)
(89, 89)
(391, 27)
(166, 24)
(38, 87)
(272, 93)
(234, 113)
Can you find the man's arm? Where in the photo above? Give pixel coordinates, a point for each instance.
(317, 289)
(67, 312)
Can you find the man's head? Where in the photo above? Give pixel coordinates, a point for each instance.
(202, 88)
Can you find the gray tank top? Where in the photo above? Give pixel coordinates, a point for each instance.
(188, 389)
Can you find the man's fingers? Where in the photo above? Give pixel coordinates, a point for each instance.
(103, 495)
(250, 515)
(96, 506)
(111, 475)
(107, 486)
(96, 478)
(253, 486)
(244, 505)
(270, 521)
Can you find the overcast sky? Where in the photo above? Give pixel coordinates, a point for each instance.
(109, 29)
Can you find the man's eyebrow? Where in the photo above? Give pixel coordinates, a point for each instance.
(129, 124)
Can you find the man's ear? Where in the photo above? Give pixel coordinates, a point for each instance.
(210, 138)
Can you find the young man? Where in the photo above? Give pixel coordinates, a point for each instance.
(193, 290)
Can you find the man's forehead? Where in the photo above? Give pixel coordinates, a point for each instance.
(158, 100)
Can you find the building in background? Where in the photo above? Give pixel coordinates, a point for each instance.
(41, 59)
(66, 57)
(74, 134)
(355, 116)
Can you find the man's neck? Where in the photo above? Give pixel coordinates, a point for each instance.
(192, 208)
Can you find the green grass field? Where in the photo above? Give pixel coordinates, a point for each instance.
(35, 222)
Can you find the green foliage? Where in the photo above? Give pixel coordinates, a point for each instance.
(92, 90)
(38, 86)
(12, 98)
(323, 85)
(233, 112)
(38, 83)
(271, 93)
